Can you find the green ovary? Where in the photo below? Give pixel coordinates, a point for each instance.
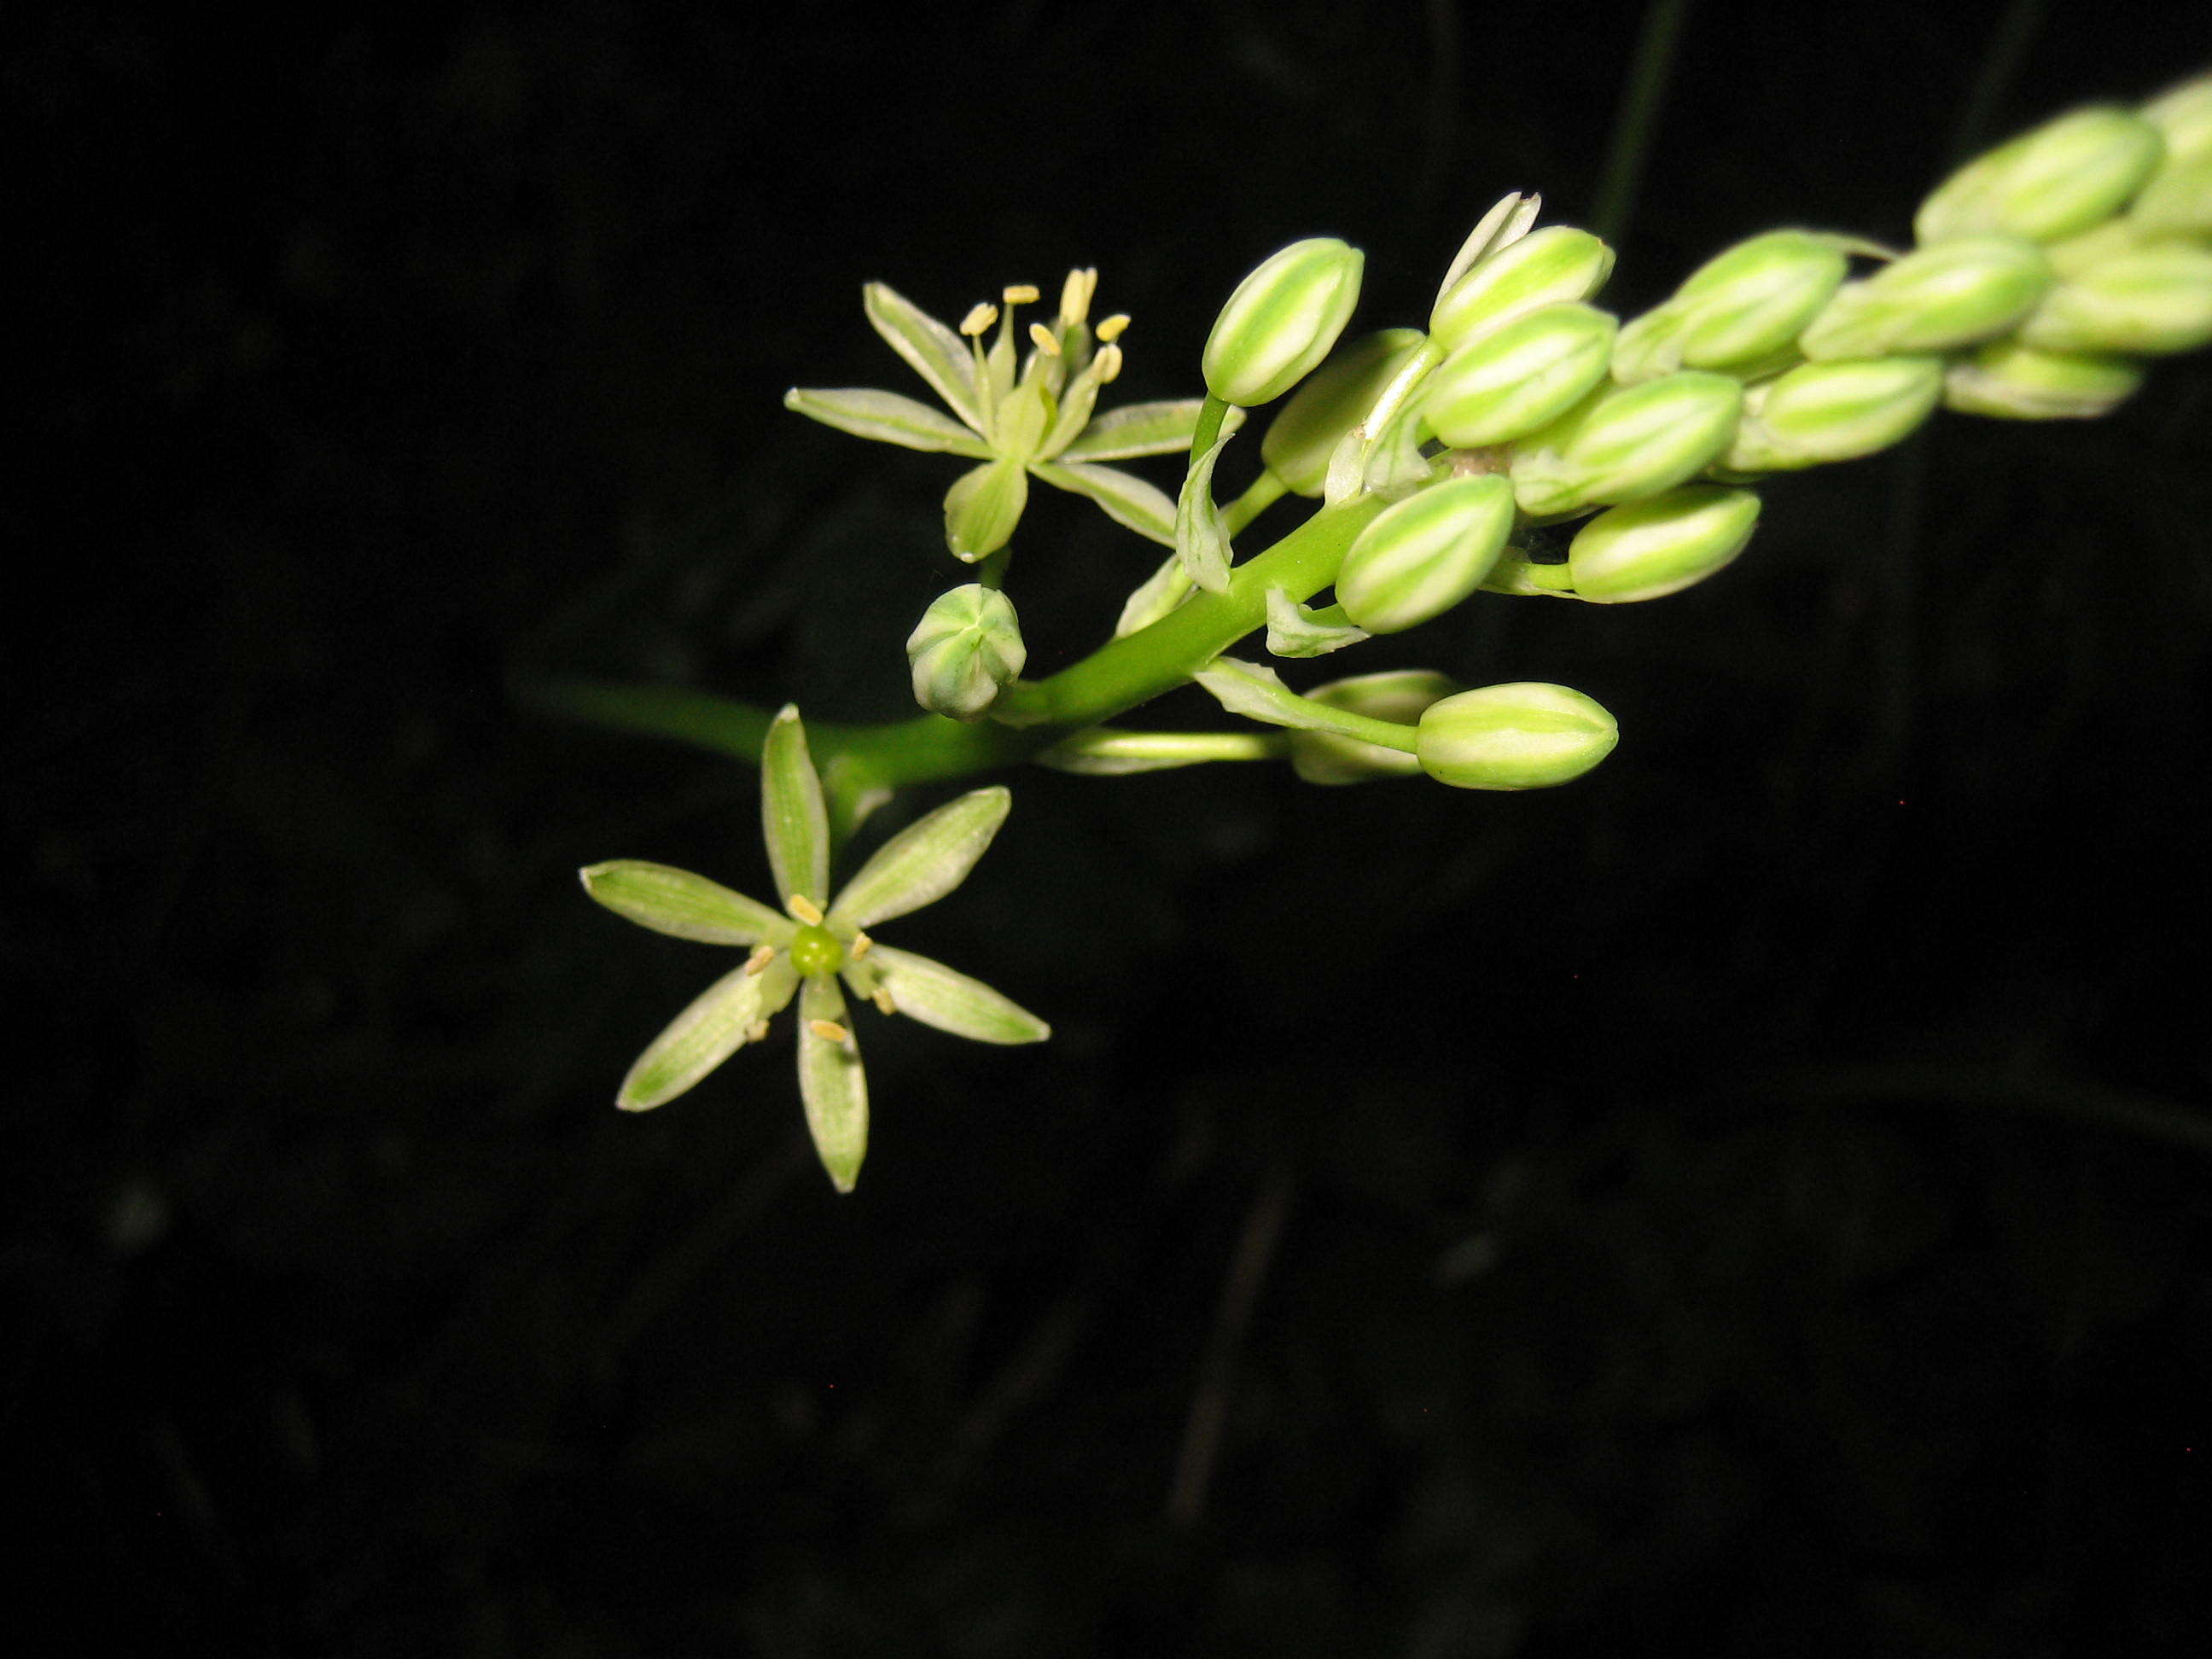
(816, 951)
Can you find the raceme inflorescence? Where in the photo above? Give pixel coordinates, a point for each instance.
(1525, 442)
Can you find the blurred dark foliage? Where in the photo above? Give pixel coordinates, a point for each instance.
(1753, 1201)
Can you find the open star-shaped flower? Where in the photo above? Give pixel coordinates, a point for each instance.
(806, 949)
(1019, 417)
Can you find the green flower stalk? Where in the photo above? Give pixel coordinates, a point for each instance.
(1397, 695)
(966, 648)
(2055, 182)
(1425, 554)
(1282, 320)
(1019, 417)
(1649, 550)
(1506, 383)
(810, 947)
(1528, 735)
(1544, 268)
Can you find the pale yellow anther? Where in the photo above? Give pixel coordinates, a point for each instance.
(1107, 365)
(979, 317)
(805, 909)
(763, 955)
(861, 945)
(1112, 327)
(828, 1030)
(1075, 294)
(1019, 294)
(759, 1033)
(881, 996)
(1044, 339)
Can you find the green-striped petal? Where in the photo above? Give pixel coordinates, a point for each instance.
(1135, 430)
(706, 1033)
(794, 822)
(1126, 499)
(924, 861)
(931, 350)
(885, 417)
(937, 995)
(832, 1083)
(672, 901)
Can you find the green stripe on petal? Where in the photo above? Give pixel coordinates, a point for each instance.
(672, 901)
(924, 861)
(706, 1033)
(931, 350)
(936, 995)
(792, 820)
(1137, 429)
(832, 1083)
(886, 417)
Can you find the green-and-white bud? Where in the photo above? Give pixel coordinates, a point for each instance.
(1833, 411)
(1302, 437)
(1647, 550)
(2014, 382)
(1543, 268)
(1527, 735)
(1398, 695)
(1427, 553)
(1737, 311)
(1282, 320)
(1504, 384)
(2147, 302)
(2183, 115)
(2177, 202)
(2056, 181)
(1624, 443)
(1953, 294)
(966, 648)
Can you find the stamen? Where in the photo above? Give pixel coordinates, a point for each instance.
(763, 955)
(1107, 365)
(1111, 328)
(1044, 339)
(861, 945)
(759, 1033)
(805, 909)
(881, 996)
(828, 1030)
(1075, 295)
(1020, 294)
(979, 317)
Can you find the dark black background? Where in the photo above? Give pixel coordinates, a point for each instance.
(1753, 1201)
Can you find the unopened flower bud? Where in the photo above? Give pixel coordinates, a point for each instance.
(1527, 735)
(2014, 382)
(1398, 695)
(1282, 320)
(1951, 295)
(2177, 202)
(1543, 268)
(2149, 302)
(1302, 437)
(1651, 549)
(1737, 310)
(2056, 181)
(1425, 554)
(1834, 412)
(1627, 442)
(1504, 384)
(966, 649)
(2183, 115)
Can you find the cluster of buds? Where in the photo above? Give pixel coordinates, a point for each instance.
(2043, 274)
